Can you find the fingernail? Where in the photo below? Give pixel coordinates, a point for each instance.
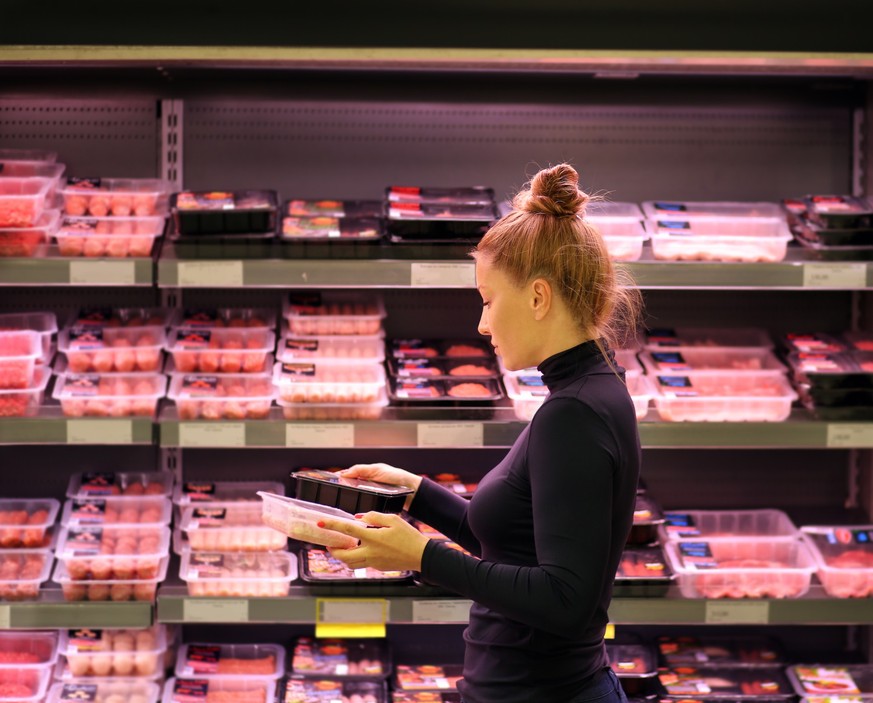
(359, 515)
(320, 523)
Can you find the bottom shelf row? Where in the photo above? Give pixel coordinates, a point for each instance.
(152, 664)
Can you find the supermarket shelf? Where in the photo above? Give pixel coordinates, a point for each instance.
(60, 271)
(51, 427)
(52, 611)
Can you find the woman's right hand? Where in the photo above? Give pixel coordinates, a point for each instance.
(385, 473)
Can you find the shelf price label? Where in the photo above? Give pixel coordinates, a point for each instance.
(834, 275)
(737, 613)
(202, 434)
(441, 611)
(210, 274)
(451, 434)
(120, 272)
(99, 432)
(443, 275)
(849, 435)
(215, 610)
(5, 617)
(340, 435)
(350, 617)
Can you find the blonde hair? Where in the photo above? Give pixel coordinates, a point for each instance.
(546, 236)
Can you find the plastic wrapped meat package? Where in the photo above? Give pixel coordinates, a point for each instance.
(43, 323)
(109, 395)
(634, 665)
(116, 197)
(741, 567)
(623, 235)
(227, 528)
(129, 589)
(115, 237)
(726, 682)
(179, 690)
(320, 382)
(425, 392)
(96, 349)
(28, 650)
(331, 349)
(334, 411)
(242, 212)
(333, 208)
(126, 690)
(23, 200)
(315, 690)
(710, 359)
(711, 651)
(142, 510)
(25, 402)
(741, 239)
(318, 566)
(426, 697)
(22, 571)
(340, 658)
(224, 350)
(467, 349)
(19, 352)
(238, 574)
(643, 572)
(298, 519)
(672, 337)
(113, 552)
(88, 653)
(333, 229)
(427, 677)
(527, 392)
(222, 396)
(831, 679)
(24, 522)
(353, 495)
(230, 661)
(709, 210)
(844, 558)
(24, 685)
(219, 318)
(134, 319)
(716, 524)
(132, 484)
(222, 492)
(316, 313)
(647, 518)
(29, 241)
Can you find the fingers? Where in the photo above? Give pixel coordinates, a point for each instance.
(378, 519)
(345, 527)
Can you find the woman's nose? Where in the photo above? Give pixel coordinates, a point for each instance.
(483, 323)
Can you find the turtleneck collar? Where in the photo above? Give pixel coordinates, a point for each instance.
(561, 368)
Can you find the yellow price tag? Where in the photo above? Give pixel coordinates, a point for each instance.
(610, 632)
(350, 617)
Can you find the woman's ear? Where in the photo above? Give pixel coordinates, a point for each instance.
(541, 297)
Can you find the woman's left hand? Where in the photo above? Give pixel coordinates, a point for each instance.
(387, 542)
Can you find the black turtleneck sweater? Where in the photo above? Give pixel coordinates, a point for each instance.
(547, 526)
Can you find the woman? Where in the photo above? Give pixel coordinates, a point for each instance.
(546, 525)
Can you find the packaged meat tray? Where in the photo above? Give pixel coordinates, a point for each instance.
(527, 393)
(640, 389)
(318, 382)
(118, 197)
(855, 341)
(130, 589)
(24, 685)
(112, 349)
(22, 200)
(426, 697)
(425, 391)
(229, 528)
(643, 572)
(133, 484)
(29, 241)
(443, 368)
(112, 552)
(316, 313)
(839, 211)
(238, 574)
(108, 236)
(109, 395)
(334, 411)
(230, 661)
(812, 342)
(813, 235)
(427, 677)
(741, 567)
(635, 667)
(334, 229)
(844, 558)
(178, 690)
(700, 210)
(222, 212)
(211, 318)
(340, 658)
(822, 252)
(195, 492)
(430, 222)
(19, 352)
(143, 510)
(222, 396)
(334, 208)
(356, 349)
(647, 518)
(35, 169)
(427, 349)
(34, 155)
(831, 679)
(43, 323)
(140, 319)
(98, 653)
(354, 495)
(22, 571)
(743, 239)
(723, 396)
(725, 682)
(28, 650)
(627, 359)
(474, 195)
(25, 402)
(110, 691)
(306, 690)
(716, 524)
(623, 236)
(298, 519)
(199, 350)
(737, 337)
(658, 361)
(25, 521)
(716, 651)
(828, 371)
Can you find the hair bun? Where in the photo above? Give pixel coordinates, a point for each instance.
(554, 191)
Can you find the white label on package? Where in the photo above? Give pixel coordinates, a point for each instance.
(5, 617)
(439, 275)
(210, 274)
(723, 613)
(850, 435)
(834, 275)
(99, 431)
(441, 611)
(315, 435)
(215, 610)
(451, 434)
(352, 610)
(103, 272)
(201, 434)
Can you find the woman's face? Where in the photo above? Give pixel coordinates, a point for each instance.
(506, 317)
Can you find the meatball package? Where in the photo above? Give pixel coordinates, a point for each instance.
(133, 484)
(22, 572)
(238, 574)
(299, 520)
(28, 650)
(109, 395)
(635, 667)
(227, 528)
(100, 653)
(117, 197)
(109, 691)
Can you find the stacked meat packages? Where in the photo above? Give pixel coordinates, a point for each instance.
(438, 215)
(27, 535)
(26, 352)
(329, 359)
(221, 363)
(27, 661)
(333, 669)
(29, 181)
(332, 221)
(226, 673)
(832, 227)
(620, 225)
(112, 359)
(115, 536)
(716, 231)
(643, 570)
(226, 548)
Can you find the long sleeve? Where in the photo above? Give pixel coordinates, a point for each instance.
(446, 512)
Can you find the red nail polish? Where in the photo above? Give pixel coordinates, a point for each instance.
(359, 515)
(320, 523)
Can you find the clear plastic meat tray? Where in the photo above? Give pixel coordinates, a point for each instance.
(334, 411)
(24, 685)
(660, 209)
(215, 397)
(229, 528)
(213, 350)
(315, 690)
(725, 239)
(331, 349)
(737, 337)
(22, 571)
(831, 679)
(232, 492)
(340, 658)
(234, 318)
(114, 237)
(118, 197)
(101, 653)
(92, 484)
(28, 241)
(144, 510)
(298, 519)
(724, 650)
(710, 359)
(109, 395)
(93, 349)
(178, 690)
(318, 382)
(109, 589)
(24, 522)
(25, 402)
(110, 691)
(43, 323)
(238, 574)
(716, 524)
(844, 557)
(113, 552)
(22, 200)
(230, 661)
(19, 352)
(28, 650)
(333, 312)
(624, 236)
